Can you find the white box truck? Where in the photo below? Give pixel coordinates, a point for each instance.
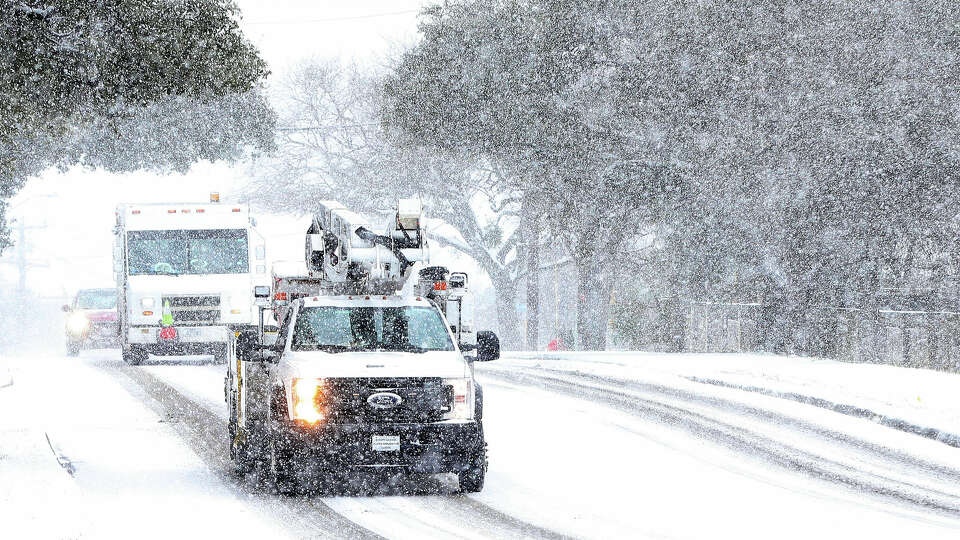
(185, 276)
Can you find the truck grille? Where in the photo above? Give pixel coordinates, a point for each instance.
(194, 309)
(423, 400)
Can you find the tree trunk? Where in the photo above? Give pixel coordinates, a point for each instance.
(509, 333)
(533, 286)
(593, 307)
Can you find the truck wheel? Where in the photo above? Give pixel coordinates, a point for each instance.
(134, 355)
(73, 347)
(281, 470)
(471, 480)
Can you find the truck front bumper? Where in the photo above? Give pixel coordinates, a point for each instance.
(149, 335)
(423, 448)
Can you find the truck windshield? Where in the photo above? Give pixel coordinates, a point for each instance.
(97, 299)
(211, 251)
(344, 329)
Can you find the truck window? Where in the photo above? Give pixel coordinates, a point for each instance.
(97, 299)
(339, 329)
(214, 251)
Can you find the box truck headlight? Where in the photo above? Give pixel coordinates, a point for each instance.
(308, 400)
(234, 302)
(461, 407)
(147, 302)
(78, 323)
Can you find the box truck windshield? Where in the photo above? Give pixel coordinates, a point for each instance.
(209, 251)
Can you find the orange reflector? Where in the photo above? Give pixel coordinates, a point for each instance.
(171, 211)
(134, 211)
(440, 286)
(460, 398)
(200, 210)
(148, 313)
(366, 297)
(236, 209)
(186, 210)
(280, 296)
(235, 311)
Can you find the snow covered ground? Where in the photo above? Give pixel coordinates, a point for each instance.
(593, 445)
(919, 396)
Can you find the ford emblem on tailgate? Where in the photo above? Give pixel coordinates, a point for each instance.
(384, 400)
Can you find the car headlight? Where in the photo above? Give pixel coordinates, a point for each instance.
(147, 302)
(308, 400)
(78, 323)
(461, 407)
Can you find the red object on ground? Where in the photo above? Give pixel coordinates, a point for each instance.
(555, 345)
(168, 333)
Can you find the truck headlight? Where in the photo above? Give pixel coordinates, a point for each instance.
(461, 407)
(147, 302)
(308, 400)
(77, 323)
(235, 303)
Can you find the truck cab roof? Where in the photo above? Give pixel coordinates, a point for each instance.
(365, 300)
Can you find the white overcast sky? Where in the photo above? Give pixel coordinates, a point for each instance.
(71, 214)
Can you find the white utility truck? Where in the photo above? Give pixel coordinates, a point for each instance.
(186, 275)
(360, 376)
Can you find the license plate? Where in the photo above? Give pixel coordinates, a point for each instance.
(386, 443)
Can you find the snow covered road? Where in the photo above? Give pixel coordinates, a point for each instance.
(597, 446)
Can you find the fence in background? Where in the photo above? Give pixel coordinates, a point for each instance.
(924, 339)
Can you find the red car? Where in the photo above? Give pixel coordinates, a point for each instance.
(91, 320)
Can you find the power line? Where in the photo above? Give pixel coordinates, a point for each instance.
(336, 19)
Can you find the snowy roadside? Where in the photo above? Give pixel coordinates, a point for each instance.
(80, 456)
(915, 398)
(6, 378)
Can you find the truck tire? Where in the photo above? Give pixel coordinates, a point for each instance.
(281, 464)
(282, 468)
(134, 355)
(471, 479)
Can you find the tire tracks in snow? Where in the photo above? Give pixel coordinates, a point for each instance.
(624, 396)
(207, 434)
(879, 451)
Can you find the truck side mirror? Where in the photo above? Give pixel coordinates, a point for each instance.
(488, 346)
(66, 308)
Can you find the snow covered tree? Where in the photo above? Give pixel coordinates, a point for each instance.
(124, 84)
(518, 82)
(819, 143)
(332, 145)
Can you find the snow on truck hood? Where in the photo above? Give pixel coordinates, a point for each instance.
(320, 364)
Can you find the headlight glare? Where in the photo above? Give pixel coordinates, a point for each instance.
(77, 323)
(307, 400)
